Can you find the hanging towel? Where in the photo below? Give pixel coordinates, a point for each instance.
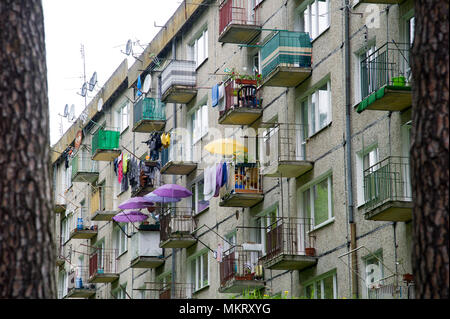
(215, 95)
(224, 174)
(221, 91)
(125, 163)
(219, 168)
(210, 182)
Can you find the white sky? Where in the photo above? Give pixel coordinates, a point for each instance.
(103, 27)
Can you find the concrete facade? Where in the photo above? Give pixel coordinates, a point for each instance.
(325, 148)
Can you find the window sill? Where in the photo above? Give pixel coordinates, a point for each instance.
(200, 290)
(325, 223)
(121, 254)
(319, 131)
(124, 131)
(314, 40)
(201, 64)
(201, 212)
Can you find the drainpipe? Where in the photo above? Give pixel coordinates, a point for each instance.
(348, 148)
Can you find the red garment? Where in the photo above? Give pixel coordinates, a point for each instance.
(120, 171)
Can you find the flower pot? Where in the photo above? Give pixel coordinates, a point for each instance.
(407, 277)
(399, 81)
(310, 252)
(246, 81)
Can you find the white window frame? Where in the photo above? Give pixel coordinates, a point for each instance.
(198, 126)
(308, 99)
(120, 239)
(200, 269)
(320, 281)
(198, 48)
(307, 26)
(360, 157)
(196, 195)
(362, 54)
(329, 177)
(122, 116)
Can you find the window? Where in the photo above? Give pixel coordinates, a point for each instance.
(120, 238)
(410, 26)
(267, 221)
(366, 77)
(122, 117)
(68, 177)
(198, 50)
(199, 123)
(102, 190)
(62, 284)
(324, 287)
(199, 270)
(316, 109)
(315, 18)
(364, 160)
(65, 229)
(316, 201)
(198, 202)
(120, 293)
(229, 243)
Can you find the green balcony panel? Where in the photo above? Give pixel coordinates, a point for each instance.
(84, 169)
(105, 145)
(149, 114)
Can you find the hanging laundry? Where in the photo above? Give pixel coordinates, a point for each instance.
(224, 174)
(125, 163)
(209, 187)
(215, 95)
(165, 139)
(221, 91)
(219, 253)
(120, 169)
(219, 169)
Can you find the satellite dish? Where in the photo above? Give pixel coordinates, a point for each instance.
(100, 104)
(66, 110)
(72, 112)
(147, 84)
(84, 89)
(129, 47)
(93, 81)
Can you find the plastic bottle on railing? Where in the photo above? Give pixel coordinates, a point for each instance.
(80, 223)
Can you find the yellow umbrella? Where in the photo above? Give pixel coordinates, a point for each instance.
(225, 146)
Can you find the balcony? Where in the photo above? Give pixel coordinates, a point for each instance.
(286, 59)
(177, 225)
(243, 104)
(63, 253)
(178, 82)
(145, 250)
(283, 152)
(238, 22)
(149, 180)
(103, 266)
(179, 159)
(84, 169)
(288, 246)
(240, 270)
(244, 186)
(83, 230)
(99, 207)
(78, 286)
(59, 205)
(149, 114)
(385, 79)
(382, 1)
(163, 290)
(387, 190)
(105, 145)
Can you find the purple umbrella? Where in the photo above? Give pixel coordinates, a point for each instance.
(130, 217)
(136, 203)
(159, 199)
(172, 191)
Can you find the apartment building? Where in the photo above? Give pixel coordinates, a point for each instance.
(315, 123)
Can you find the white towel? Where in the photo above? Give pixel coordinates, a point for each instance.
(209, 187)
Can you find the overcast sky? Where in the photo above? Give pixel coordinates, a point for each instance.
(103, 27)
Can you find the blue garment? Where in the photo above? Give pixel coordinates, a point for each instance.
(215, 95)
(224, 174)
(139, 86)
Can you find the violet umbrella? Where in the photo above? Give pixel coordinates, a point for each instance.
(152, 197)
(130, 217)
(136, 203)
(172, 191)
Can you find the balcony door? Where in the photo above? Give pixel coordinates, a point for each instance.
(406, 173)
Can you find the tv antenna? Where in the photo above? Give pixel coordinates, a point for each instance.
(129, 49)
(87, 86)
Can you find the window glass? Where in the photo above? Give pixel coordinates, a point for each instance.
(323, 288)
(328, 287)
(323, 15)
(314, 19)
(324, 105)
(321, 202)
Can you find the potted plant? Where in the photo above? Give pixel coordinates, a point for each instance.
(309, 251)
(408, 278)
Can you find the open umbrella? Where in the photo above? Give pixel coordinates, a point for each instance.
(172, 191)
(225, 146)
(152, 197)
(136, 203)
(130, 217)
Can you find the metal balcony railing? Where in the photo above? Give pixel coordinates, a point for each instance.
(286, 48)
(176, 223)
(244, 178)
(392, 291)
(78, 279)
(178, 73)
(105, 140)
(240, 264)
(149, 109)
(241, 93)
(237, 12)
(388, 65)
(288, 235)
(387, 180)
(103, 261)
(182, 291)
(82, 163)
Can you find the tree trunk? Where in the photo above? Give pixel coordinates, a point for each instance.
(429, 149)
(27, 252)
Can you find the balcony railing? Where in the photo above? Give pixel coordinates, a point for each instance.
(84, 169)
(243, 187)
(177, 224)
(103, 265)
(392, 291)
(238, 21)
(243, 103)
(178, 81)
(387, 190)
(178, 159)
(288, 245)
(240, 269)
(78, 285)
(286, 58)
(105, 145)
(149, 114)
(145, 250)
(182, 291)
(385, 78)
(283, 150)
(63, 252)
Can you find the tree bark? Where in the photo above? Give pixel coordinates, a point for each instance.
(429, 149)
(27, 252)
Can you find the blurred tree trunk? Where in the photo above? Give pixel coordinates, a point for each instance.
(27, 252)
(429, 149)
